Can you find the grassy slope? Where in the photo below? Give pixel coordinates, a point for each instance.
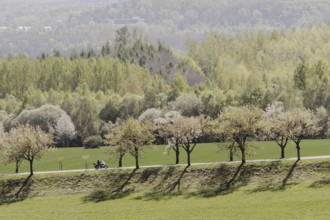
(154, 155)
(280, 190)
(295, 203)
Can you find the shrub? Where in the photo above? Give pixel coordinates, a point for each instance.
(189, 105)
(93, 142)
(149, 115)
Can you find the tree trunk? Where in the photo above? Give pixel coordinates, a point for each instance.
(136, 158)
(188, 158)
(188, 155)
(177, 154)
(243, 154)
(298, 151)
(31, 167)
(16, 166)
(282, 152)
(65, 142)
(231, 154)
(120, 162)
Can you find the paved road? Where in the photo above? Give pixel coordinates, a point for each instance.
(177, 165)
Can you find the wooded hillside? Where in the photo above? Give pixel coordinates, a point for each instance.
(38, 26)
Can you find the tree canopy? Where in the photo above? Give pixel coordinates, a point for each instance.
(241, 123)
(25, 143)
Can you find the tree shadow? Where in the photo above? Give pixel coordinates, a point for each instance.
(231, 181)
(273, 187)
(119, 192)
(240, 178)
(320, 183)
(167, 176)
(288, 176)
(177, 183)
(162, 191)
(149, 175)
(279, 185)
(9, 193)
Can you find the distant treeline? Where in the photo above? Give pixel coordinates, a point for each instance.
(40, 26)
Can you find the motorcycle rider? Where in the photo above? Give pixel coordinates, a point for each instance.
(100, 164)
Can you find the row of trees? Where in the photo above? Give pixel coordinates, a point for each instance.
(235, 126)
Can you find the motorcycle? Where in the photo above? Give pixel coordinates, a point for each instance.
(100, 166)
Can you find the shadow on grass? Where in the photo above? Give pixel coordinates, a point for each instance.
(177, 182)
(240, 178)
(120, 192)
(149, 175)
(165, 191)
(15, 190)
(207, 183)
(289, 175)
(320, 183)
(232, 180)
(277, 186)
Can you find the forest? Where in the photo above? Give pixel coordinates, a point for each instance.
(96, 88)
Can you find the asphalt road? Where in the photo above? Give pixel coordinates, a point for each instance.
(160, 166)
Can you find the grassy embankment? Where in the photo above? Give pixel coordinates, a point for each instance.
(73, 157)
(277, 190)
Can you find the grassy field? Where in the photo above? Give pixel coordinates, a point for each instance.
(299, 202)
(73, 157)
(281, 190)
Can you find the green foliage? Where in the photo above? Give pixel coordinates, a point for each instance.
(213, 102)
(323, 117)
(260, 68)
(25, 142)
(95, 141)
(131, 106)
(248, 68)
(149, 115)
(122, 36)
(130, 137)
(10, 104)
(300, 76)
(188, 105)
(240, 123)
(111, 110)
(179, 86)
(85, 116)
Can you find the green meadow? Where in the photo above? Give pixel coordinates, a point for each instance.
(268, 190)
(74, 158)
(299, 202)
